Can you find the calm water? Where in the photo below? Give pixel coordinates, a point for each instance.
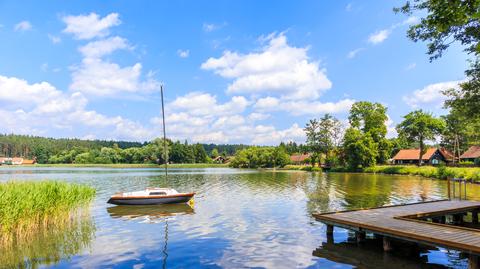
(240, 219)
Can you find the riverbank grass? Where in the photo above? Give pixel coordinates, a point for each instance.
(25, 205)
(442, 172)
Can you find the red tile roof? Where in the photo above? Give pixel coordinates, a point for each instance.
(413, 154)
(299, 157)
(472, 153)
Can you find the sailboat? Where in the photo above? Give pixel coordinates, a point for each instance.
(153, 196)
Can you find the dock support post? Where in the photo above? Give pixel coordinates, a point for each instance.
(387, 244)
(473, 262)
(360, 236)
(330, 234)
(443, 219)
(475, 217)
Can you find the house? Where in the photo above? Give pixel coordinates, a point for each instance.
(300, 158)
(432, 156)
(15, 161)
(221, 159)
(471, 154)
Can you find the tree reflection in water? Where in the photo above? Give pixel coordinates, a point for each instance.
(49, 243)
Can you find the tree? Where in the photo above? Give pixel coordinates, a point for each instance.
(200, 154)
(446, 22)
(323, 135)
(419, 126)
(360, 149)
(371, 119)
(214, 154)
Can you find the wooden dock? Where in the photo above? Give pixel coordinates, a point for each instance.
(403, 222)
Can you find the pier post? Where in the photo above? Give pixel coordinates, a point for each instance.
(330, 234)
(475, 217)
(443, 219)
(387, 244)
(473, 262)
(360, 236)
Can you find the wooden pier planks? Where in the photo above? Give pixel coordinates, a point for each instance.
(389, 221)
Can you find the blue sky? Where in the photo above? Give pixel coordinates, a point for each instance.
(234, 71)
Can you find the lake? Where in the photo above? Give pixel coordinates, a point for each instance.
(240, 219)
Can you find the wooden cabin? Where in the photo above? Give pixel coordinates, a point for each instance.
(300, 159)
(432, 156)
(221, 159)
(471, 154)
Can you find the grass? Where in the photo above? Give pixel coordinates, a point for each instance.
(441, 172)
(128, 165)
(27, 205)
(302, 168)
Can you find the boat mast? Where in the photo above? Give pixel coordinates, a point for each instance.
(165, 155)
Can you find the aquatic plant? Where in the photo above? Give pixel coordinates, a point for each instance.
(27, 205)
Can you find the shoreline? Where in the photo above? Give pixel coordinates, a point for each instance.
(120, 165)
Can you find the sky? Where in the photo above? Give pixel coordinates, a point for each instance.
(251, 72)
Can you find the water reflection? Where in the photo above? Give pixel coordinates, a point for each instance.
(49, 244)
(242, 218)
(371, 255)
(149, 213)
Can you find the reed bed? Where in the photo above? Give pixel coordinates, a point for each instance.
(26, 205)
(441, 172)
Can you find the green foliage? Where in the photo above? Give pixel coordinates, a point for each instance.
(260, 157)
(323, 136)
(444, 23)
(419, 126)
(442, 172)
(25, 204)
(370, 118)
(360, 149)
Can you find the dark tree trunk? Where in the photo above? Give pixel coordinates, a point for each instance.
(421, 152)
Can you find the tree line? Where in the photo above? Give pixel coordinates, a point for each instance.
(53, 150)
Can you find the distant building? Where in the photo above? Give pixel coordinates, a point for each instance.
(15, 161)
(221, 159)
(300, 158)
(432, 156)
(471, 154)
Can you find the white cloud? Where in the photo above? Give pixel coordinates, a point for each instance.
(210, 27)
(97, 49)
(276, 68)
(430, 94)
(297, 108)
(255, 116)
(198, 103)
(40, 107)
(54, 39)
(90, 26)
(379, 36)
(354, 53)
(100, 78)
(183, 53)
(23, 26)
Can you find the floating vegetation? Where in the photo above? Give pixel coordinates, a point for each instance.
(26, 206)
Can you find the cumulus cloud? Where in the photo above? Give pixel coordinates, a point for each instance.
(430, 94)
(90, 26)
(100, 48)
(38, 107)
(300, 107)
(23, 26)
(96, 76)
(277, 68)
